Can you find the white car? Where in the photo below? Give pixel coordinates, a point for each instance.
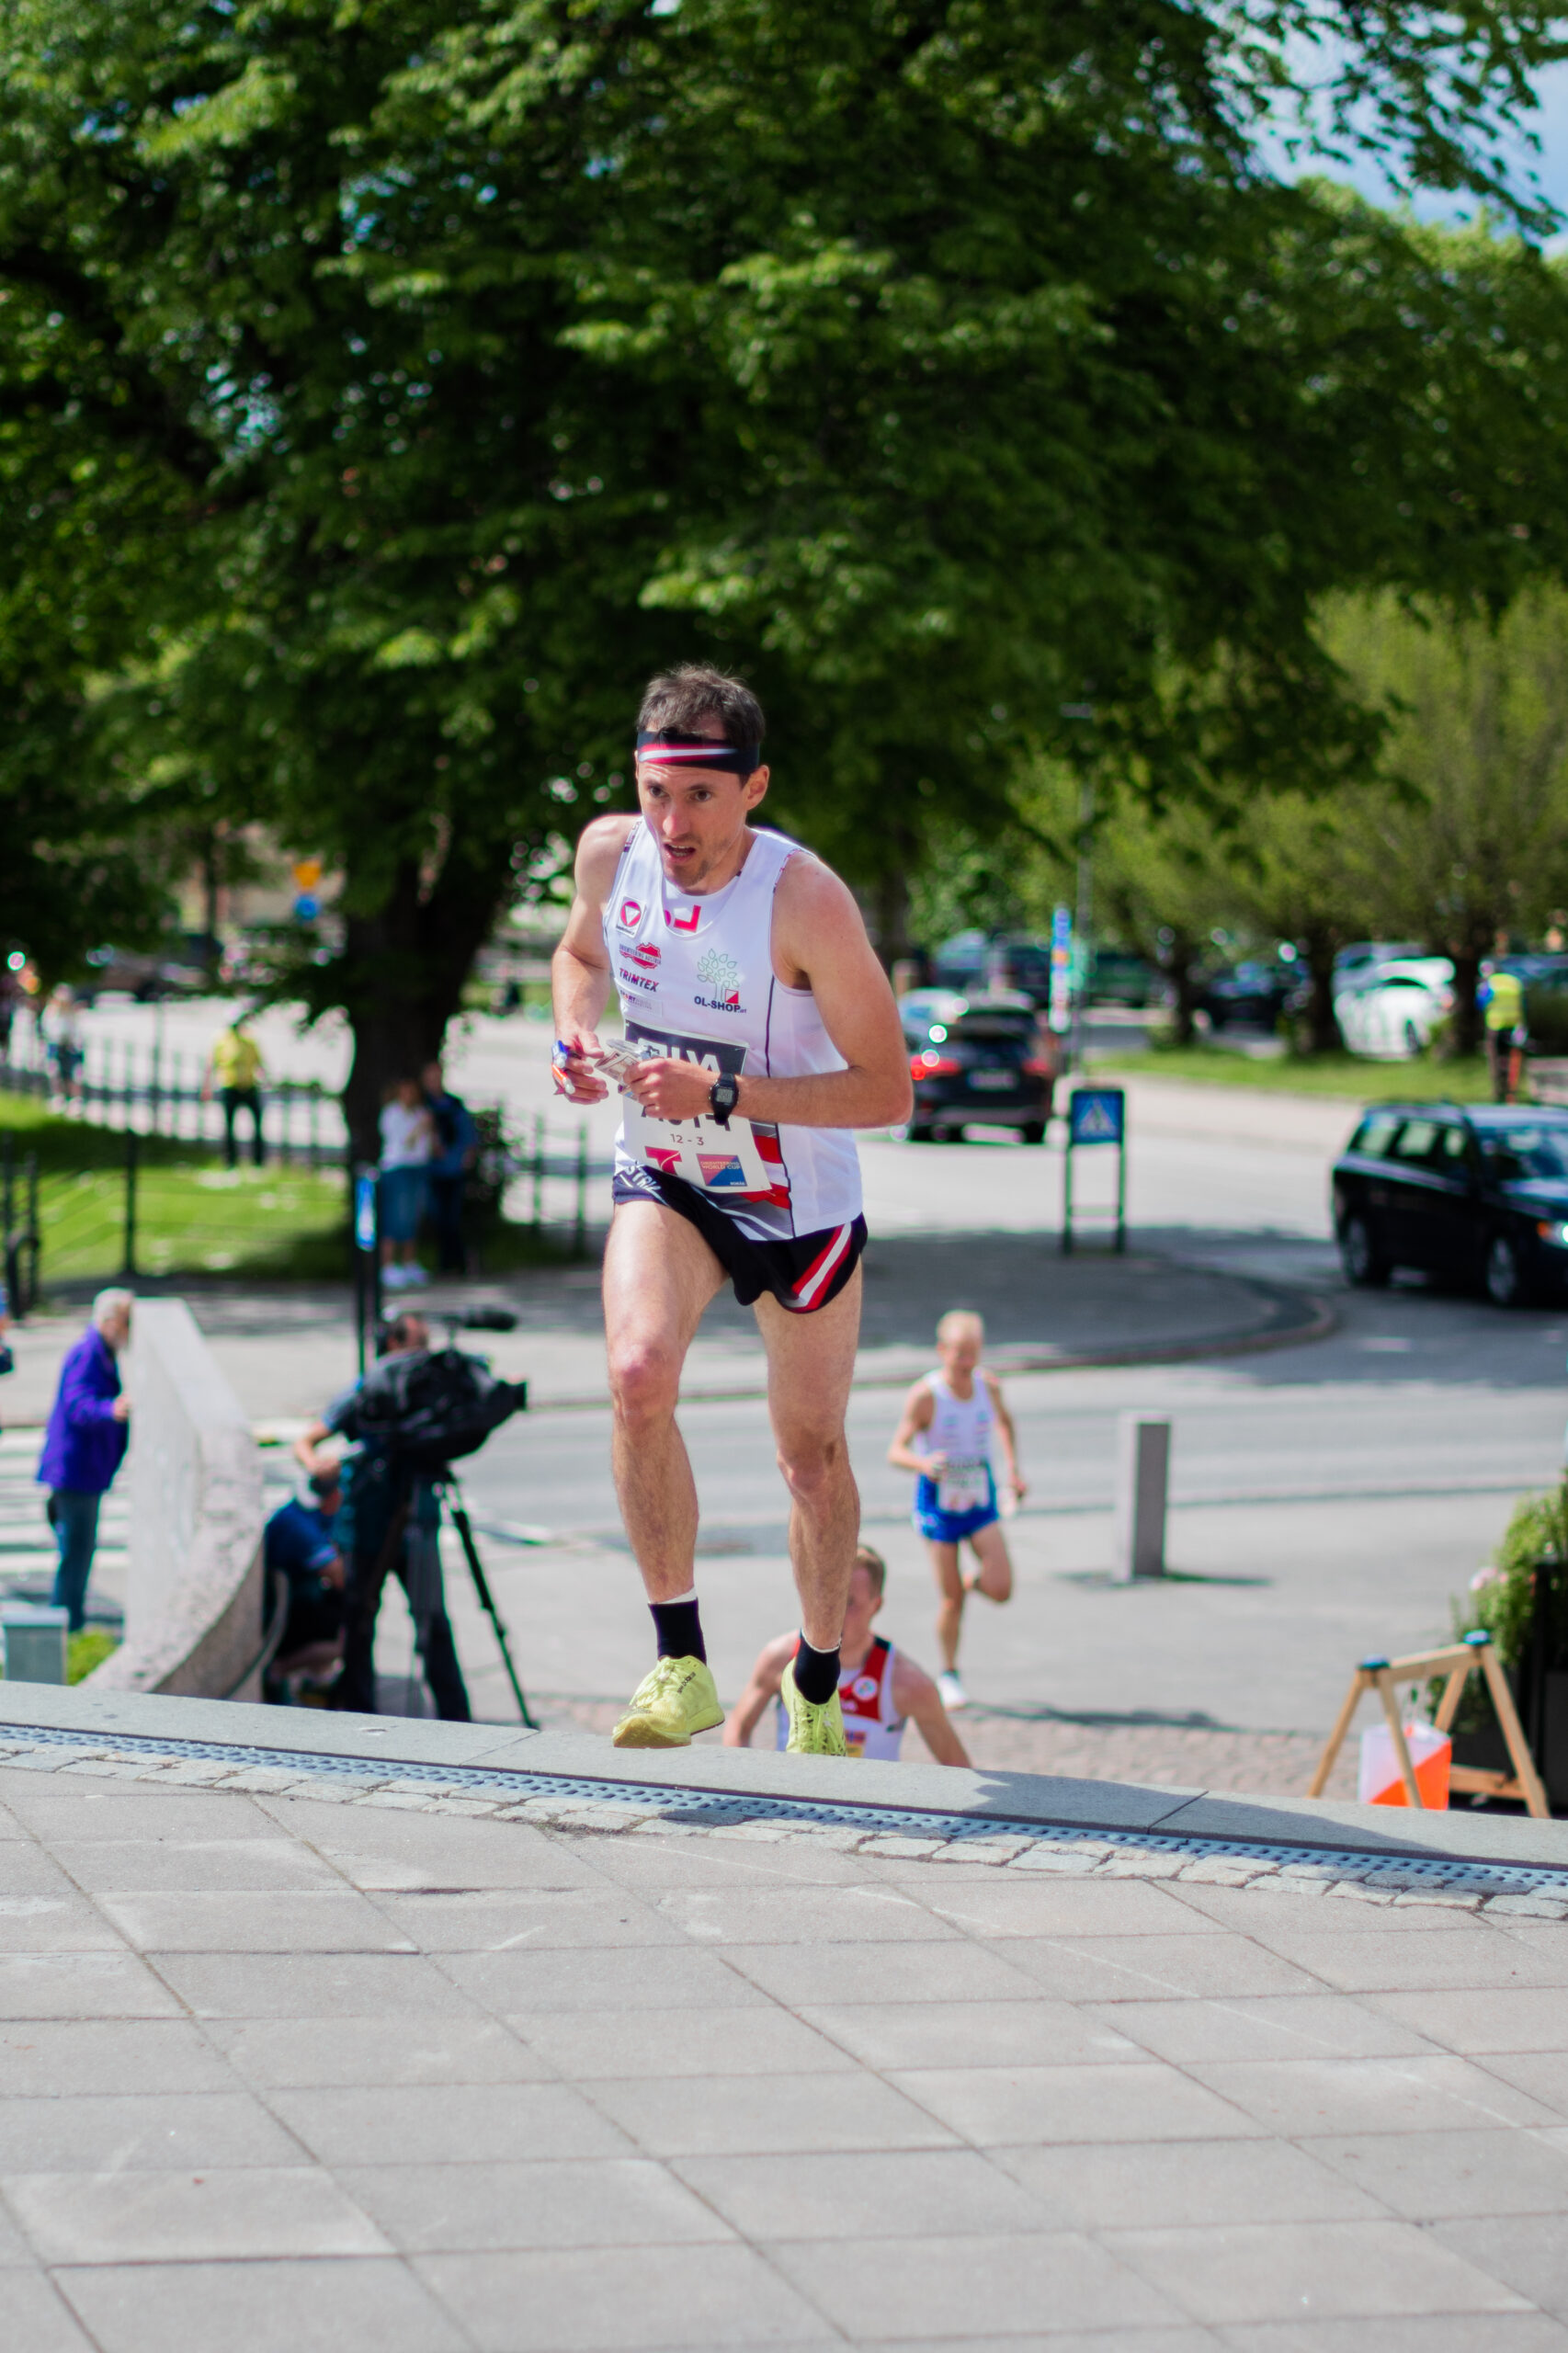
(1391, 1012)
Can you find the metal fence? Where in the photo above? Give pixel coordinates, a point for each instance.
(123, 1083)
(19, 1241)
(148, 1213)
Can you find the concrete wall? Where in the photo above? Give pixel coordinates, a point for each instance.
(194, 1598)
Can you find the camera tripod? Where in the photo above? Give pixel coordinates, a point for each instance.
(447, 1482)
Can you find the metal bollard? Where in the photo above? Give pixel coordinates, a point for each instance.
(33, 1639)
(1142, 1478)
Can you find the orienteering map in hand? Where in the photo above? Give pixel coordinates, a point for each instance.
(618, 1062)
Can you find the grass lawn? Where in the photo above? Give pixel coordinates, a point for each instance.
(1421, 1080)
(193, 1215)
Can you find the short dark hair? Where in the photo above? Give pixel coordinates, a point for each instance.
(868, 1558)
(683, 698)
(401, 1332)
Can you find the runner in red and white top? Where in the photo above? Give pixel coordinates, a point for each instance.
(879, 1687)
(760, 1030)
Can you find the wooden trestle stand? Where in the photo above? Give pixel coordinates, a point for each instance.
(1382, 1674)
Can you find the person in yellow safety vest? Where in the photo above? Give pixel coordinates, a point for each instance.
(1504, 1002)
(237, 1069)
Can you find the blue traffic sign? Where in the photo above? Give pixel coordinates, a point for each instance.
(1096, 1115)
(365, 1210)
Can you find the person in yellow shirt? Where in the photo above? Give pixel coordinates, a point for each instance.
(1504, 1001)
(237, 1070)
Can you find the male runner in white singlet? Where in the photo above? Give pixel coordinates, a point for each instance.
(760, 1028)
(951, 1421)
(880, 1688)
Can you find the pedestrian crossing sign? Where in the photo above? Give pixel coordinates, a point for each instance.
(1098, 1115)
(365, 1209)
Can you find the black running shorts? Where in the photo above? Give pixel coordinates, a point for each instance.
(803, 1273)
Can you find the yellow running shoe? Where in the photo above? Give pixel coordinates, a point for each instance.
(678, 1698)
(813, 1731)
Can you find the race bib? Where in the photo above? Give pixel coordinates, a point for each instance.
(963, 1486)
(713, 1159)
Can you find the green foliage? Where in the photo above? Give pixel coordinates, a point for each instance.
(1335, 1074)
(87, 1650)
(405, 383)
(1502, 1596)
(1469, 835)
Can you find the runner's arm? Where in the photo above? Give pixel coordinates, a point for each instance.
(918, 1408)
(914, 1694)
(579, 972)
(819, 941)
(765, 1676)
(1009, 1435)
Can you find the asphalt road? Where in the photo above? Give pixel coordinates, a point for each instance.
(1326, 1503)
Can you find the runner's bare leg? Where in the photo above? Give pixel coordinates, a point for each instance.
(950, 1602)
(811, 1361)
(659, 1276)
(994, 1577)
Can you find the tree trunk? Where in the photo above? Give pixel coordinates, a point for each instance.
(1322, 1022)
(402, 970)
(1179, 958)
(892, 919)
(1468, 1023)
(890, 900)
(212, 885)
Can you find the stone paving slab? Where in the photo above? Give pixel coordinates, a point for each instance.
(448, 1765)
(373, 2052)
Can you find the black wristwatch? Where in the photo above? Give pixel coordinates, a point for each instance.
(722, 1098)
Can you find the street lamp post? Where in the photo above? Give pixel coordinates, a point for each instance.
(1084, 713)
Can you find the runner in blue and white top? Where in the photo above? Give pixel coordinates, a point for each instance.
(953, 1420)
(760, 1030)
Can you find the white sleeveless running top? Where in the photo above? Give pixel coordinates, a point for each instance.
(865, 1698)
(963, 1429)
(695, 978)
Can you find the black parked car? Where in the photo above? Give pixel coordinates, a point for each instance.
(978, 1059)
(1254, 993)
(1118, 977)
(1478, 1195)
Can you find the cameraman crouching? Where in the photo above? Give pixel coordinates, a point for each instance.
(394, 1518)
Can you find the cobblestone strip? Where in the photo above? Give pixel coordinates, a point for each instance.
(585, 1809)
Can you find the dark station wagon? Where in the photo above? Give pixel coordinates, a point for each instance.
(981, 1059)
(1476, 1197)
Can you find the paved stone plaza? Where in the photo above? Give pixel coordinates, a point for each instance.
(447, 2054)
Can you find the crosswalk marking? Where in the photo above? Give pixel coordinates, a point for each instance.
(26, 1545)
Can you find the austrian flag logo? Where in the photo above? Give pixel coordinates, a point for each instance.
(644, 954)
(723, 975)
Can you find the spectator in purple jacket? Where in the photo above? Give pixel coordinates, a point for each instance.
(84, 1446)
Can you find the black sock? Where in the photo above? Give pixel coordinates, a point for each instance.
(816, 1673)
(680, 1629)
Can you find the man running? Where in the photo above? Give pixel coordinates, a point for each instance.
(765, 1030)
(950, 1420)
(878, 1686)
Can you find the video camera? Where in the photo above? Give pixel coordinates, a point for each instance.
(431, 1406)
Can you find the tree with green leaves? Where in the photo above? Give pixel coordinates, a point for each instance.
(1467, 838)
(939, 365)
